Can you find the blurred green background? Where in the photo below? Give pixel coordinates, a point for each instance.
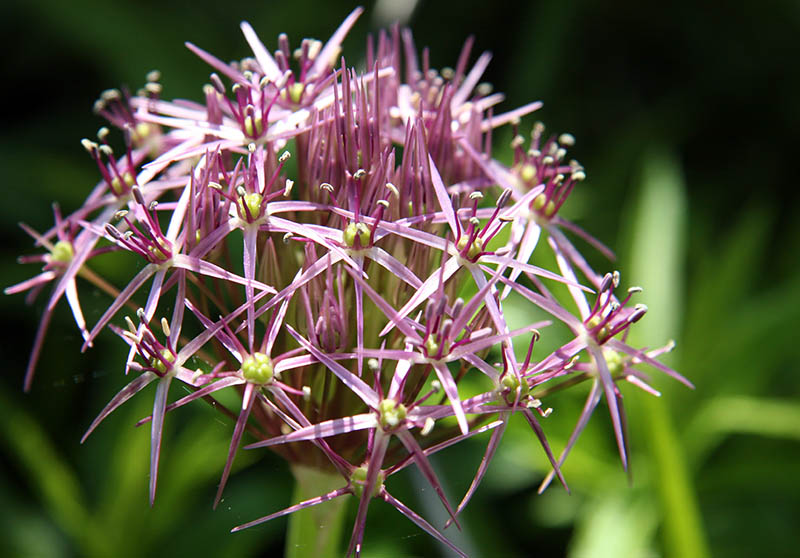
(686, 117)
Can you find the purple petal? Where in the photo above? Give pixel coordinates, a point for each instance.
(611, 400)
(450, 388)
(156, 429)
(366, 393)
(121, 299)
(421, 523)
(322, 430)
(247, 404)
(588, 408)
(426, 469)
(297, 507)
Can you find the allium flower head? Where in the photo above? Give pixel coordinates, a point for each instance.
(345, 296)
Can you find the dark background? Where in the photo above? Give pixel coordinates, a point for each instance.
(711, 89)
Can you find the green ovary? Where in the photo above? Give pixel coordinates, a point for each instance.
(62, 252)
(258, 369)
(158, 364)
(356, 230)
(359, 478)
(544, 206)
(475, 248)
(391, 413)
(253, 203)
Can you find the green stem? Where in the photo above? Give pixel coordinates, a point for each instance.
(315, 531)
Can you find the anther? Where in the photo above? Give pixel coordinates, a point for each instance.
(359, 174)
(503, 199)
(141, 315)
(306, 393)
(616, 278)
(285, 156)
(137, 195)
(240, 191)
(217, 83)
(476, 196)
(102, 133)
(287, 189)
(393, 189)
(165, 326)
(89, 145)
(606, 283)
(287, 237)
(566, 139)
(384, 203)
(638, 312)
(119, 215)
(106, 150)
(251, 147)
(427, 427)
(112, 230)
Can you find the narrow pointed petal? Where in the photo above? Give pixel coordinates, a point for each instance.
(385, 307)
(611, 400)
(530, 238)
(356, 384)
(41, 333)
(250, 235)
(426, 469)
(247, 404)
(322, 430)
(537, 428)
(450, 388)
(389, 262)
(379, 445)
(443, 197)
(265, 59)
(291, 509)
(472, 79)
(420, 522)
(72, 298)
(156, 431)
(41, 279)
(591, 403)
(124, 394)
(491, 448)
(425, 291)
(121, 299)
(566, 271)
(195, 395)
(628, 350)
(326, 57)
(359, 320)
(205, 268)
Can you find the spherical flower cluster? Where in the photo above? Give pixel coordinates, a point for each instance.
(337, 246)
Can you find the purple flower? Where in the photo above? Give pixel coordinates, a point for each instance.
(330, 245)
